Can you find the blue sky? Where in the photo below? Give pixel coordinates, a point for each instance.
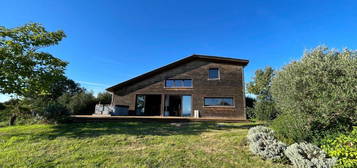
(111, 41)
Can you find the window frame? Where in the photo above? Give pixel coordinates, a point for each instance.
(218, 74)
(174, 83)
(228, 106)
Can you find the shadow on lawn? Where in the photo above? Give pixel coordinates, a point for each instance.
(83, 130)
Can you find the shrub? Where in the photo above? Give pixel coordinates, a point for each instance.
(344, 147)
(263, 143)
(291, 128)
(80, 103)
(250, 113)
(321, 86)
(305, 155)
(55, 113)
(260, 129)
(265, 110)
(249, 104)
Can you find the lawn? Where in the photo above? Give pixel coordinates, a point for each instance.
(128, 144)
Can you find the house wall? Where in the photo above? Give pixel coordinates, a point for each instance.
(229, 85)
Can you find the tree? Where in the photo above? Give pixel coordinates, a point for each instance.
(264, 108)
(321, 87)
(24, 69)
(104, 98)
(64, 86)
(79, 103)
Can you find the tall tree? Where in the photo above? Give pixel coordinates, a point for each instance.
(260, 86)
(264, 108)
(24, 69)
(62, 86)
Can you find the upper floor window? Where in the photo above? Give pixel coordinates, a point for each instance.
(218, 101)
(178, 83)
(213, 73)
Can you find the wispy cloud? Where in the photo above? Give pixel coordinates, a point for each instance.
(93, 84)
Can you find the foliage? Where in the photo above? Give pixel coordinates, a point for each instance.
(261, 84)
(291, 128)
(55, 112)
(6, 109)
(322, 87)
(249, 105)
(62, 86)
(249, 101)
(24, 70)
(304, 155)
(264, 108)
(80, 103)
(344, 147)
(250, 113)
(263, 143)
(44, 111)
(2, 106)
(128, 144)
(104, 98)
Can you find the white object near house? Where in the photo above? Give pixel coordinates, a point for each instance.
(196, 114)
(107, 109)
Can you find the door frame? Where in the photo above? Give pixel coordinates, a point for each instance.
(181, 95)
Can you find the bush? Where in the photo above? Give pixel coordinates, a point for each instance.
(80, 103)
(250, 113)
(304, 155)
(249, 104)
(265, 110)
(55, 113)
(320, 86)
(263, 143)
(291, 128)
(344, 147)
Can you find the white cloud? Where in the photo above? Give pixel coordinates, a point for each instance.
(93, 83)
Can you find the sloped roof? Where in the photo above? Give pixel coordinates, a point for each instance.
(176, 64)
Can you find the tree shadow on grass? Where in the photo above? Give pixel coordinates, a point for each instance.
(91, 130)
(83, 130)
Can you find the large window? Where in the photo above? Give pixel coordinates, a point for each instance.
(218, 101)
(178, 83)
(213, 73)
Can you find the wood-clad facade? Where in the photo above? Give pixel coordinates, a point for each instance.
(154, 94)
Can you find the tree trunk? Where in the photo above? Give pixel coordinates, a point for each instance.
(12, 120)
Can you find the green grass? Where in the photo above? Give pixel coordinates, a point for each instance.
(128, 144)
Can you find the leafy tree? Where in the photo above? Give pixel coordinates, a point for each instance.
(264, 108)
(64, 86)
(104, 98)
(80, 103)
(24, 69)
(321, 87)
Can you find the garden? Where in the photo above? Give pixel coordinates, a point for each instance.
(310, 106)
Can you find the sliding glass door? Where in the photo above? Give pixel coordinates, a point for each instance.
(186, 106)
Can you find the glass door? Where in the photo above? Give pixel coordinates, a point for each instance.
(186, 106)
